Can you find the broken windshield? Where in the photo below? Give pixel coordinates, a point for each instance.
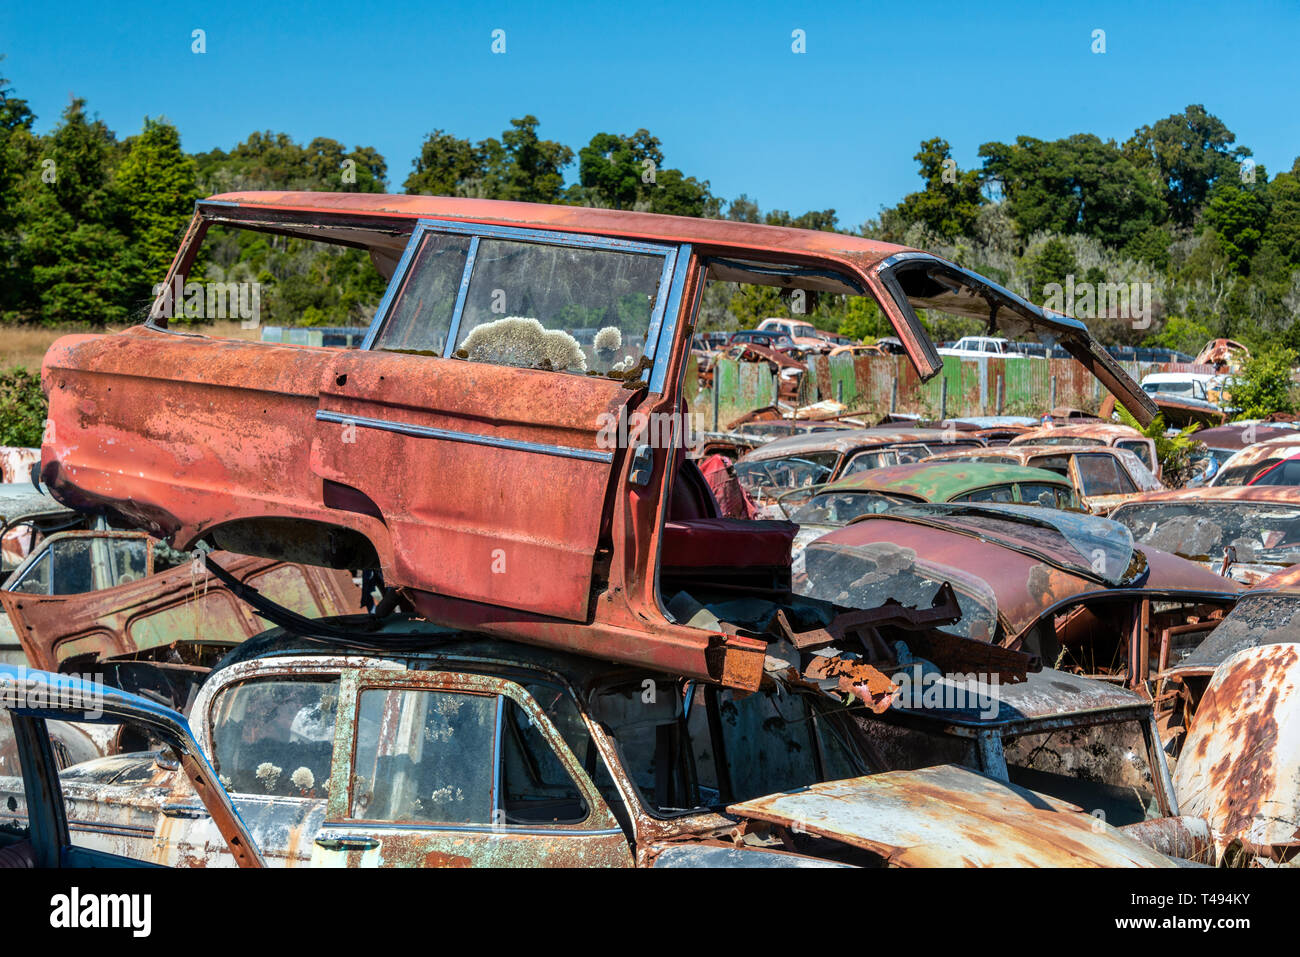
(1085, 544)
(867, 576)
(1202, 531)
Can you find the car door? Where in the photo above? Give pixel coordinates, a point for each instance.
(1101, 480)
(437, 769)
(559, 336)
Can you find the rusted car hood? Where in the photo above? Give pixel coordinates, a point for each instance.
(946, 816)
(1240, 767)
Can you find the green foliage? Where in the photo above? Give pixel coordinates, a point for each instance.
(1173, 452)
(1054, 262)
(1238, 213)
(1265, 385)
(949, 204)
(1186, 154)
(22, 408)
(157, 184)
(863, 320)
(1182, 335)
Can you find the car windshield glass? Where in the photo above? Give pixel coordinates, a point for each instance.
(867, 576)
(840, 508)
(1202, 530)
(794, 471)
(1087, 544)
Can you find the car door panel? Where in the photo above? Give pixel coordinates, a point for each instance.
(487, 839)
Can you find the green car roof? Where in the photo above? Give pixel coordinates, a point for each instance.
(942, 481)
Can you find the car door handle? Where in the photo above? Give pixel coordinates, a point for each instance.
(347, 843)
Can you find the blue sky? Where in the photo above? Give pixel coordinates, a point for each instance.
(836, 126)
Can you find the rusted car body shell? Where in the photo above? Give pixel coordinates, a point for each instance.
(893, 815)
(1240, 766)
(1101, 433)
(1028, 589)
(238, 442)
(1252, 574)
(171, 607)
(285, 829)
(1269, 450)
(1028, 454)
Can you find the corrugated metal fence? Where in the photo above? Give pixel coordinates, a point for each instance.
(874, 385)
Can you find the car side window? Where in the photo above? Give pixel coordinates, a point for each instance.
(995, 493)
(1050, 496)
(275, 736)
(63, 569)
(1101, 475)
(560, 308)
(425, 756)
(420, 317)
(1141, 450)
(536, 788)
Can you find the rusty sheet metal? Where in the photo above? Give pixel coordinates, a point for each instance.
(1184, 837)
(174, 606)
(16, 463)
(948, 816)
(1282, 447)
(1225, 352)
(1107, 433)
(1240, 766)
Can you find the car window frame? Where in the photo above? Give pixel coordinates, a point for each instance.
(663, 319)
(353, 682)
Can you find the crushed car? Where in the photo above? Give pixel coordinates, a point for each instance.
(464, 453)
(422, 746)
(1070, 588)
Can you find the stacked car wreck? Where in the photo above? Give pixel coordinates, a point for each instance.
(547, 564)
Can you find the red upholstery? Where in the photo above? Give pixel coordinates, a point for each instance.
(726, 543)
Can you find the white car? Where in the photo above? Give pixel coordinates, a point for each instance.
(981, 347)
(1186, 385)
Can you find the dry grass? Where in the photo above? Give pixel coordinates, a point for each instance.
(25, 346)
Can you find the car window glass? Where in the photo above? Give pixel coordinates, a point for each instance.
(563, 308)
(13, 796)
(1141, 450)
(535, 786)
(127, 559)
(35, 579)
(1288, 473)
(275, 736)
(1101, 475)
(1039, 493)
(66, 570)
(996, 493)
(424, 756)
(420, 316)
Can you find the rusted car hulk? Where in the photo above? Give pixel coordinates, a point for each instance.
(410, 459)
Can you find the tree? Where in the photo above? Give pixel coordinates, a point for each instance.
(73, 250)
(1264, 386)
(446, 166)
(1080, 184)
(157, 185)
(949, 204)
(1053, 264)
(522, 166)
(1186, 153)
(1239, 214)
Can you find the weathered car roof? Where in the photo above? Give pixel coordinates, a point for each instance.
(1280, 447)
(1234, 436)
(653, 226)
(849, 440)
(1107, 431)
(941, 481)
(1277, 494)
(946, 815)
(405, 638)
(19, 501)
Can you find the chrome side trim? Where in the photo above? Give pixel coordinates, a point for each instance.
(472, 438)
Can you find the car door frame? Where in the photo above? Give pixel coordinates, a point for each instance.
(346, 841)
(515, 460)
